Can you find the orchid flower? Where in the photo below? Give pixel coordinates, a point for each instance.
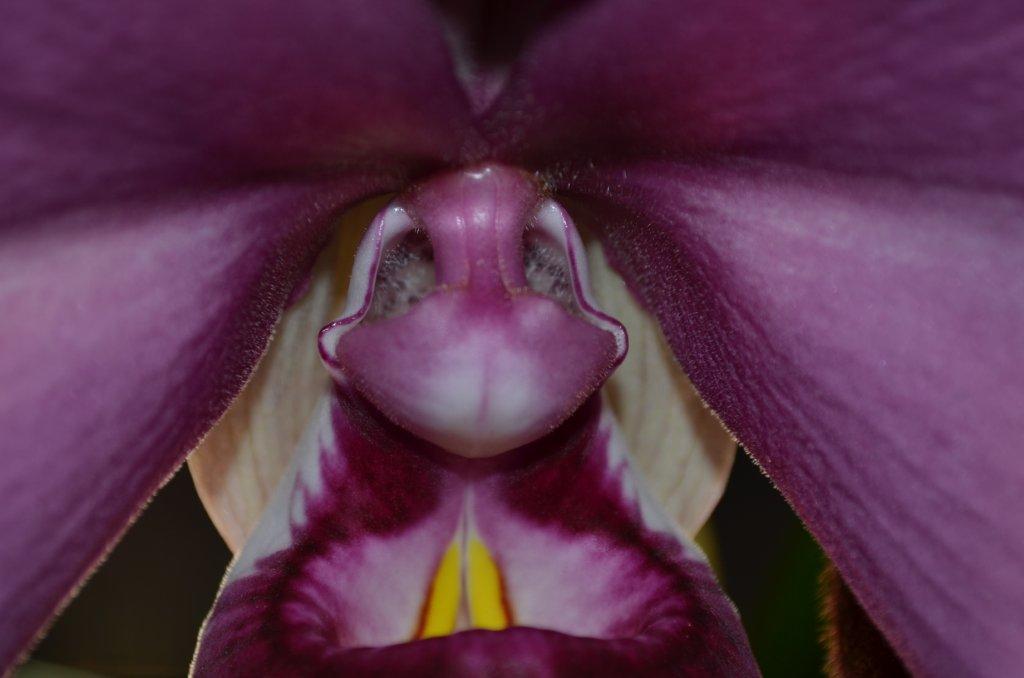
(820, 204)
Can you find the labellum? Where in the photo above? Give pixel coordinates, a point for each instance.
(463, 502)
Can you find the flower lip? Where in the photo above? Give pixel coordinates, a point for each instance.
(382, 557)
(482, 363)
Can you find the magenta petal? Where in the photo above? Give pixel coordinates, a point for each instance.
(927, 92)
(337, 576)
(123, 97)
(863, 340)
(828, 222)
(128, 327)
(126, 333)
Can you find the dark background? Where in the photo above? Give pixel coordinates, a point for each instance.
(140, 612)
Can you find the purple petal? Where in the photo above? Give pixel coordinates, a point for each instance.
(239, 462)
(337, 574)
(128, 328)
(120, 98)
(827, 221)
(917, 92)
(862, 340)
(128, 331)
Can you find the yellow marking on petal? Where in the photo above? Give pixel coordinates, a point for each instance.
(487, 608)
(441, 612)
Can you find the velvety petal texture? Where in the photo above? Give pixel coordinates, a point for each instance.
(240, 461)
(893, 429)
(821, 202)
(167, 173)
(824, 205)
(680, 449)
(120, 99)
(110, 378)
(583, 572)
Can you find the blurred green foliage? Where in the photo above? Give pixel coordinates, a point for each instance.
(769, 565)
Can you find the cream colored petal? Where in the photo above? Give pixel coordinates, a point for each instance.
(682, 450)
(238, 464)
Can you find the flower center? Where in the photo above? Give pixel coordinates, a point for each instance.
(463, 503)
(468, 320)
